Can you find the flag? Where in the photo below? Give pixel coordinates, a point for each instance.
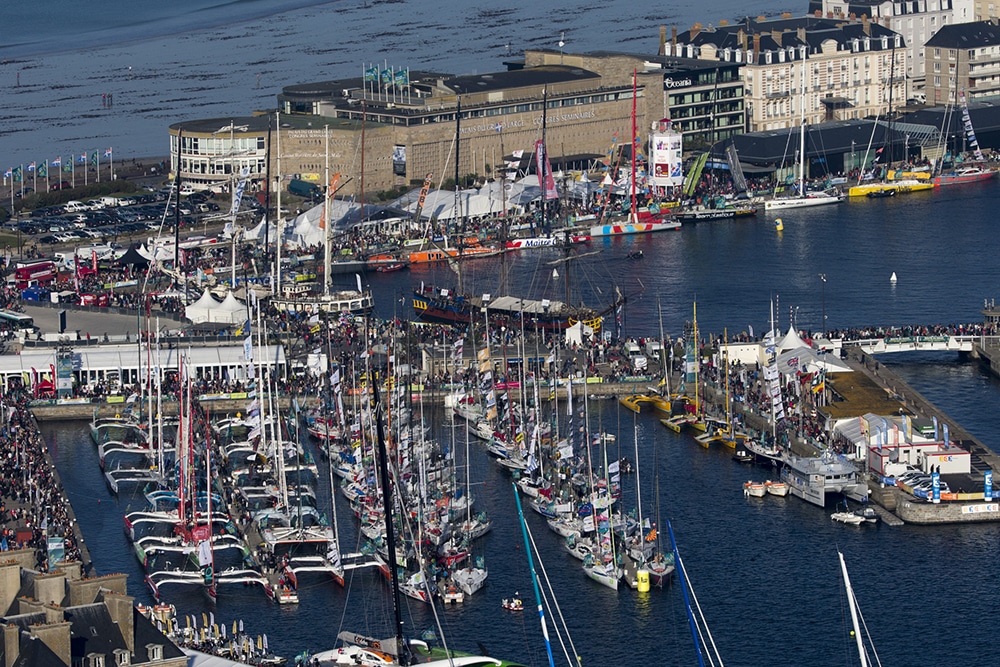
(82, 159)
(93, 158)
(387, 76)
(68, 167)
(107, 153)
(43, 169)
(402, 78)
(8, 173)
(371, 75)
(57, 162)
(17, 174)
(31, 166)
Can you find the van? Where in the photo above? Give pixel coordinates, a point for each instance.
(636, 359)
(74, 206)
(110, 202)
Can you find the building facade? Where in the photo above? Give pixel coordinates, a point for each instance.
(964, 58)
(807, 69)
(916, 20)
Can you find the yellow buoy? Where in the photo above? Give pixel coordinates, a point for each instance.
(642, 580)
(779, 225)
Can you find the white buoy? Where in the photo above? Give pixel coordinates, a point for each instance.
(892, 278)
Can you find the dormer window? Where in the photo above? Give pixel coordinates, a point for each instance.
(885, 43)
(122, 657)
(154, 652)
(855, 45)
(95, 660)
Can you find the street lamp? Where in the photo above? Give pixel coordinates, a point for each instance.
(822, 277)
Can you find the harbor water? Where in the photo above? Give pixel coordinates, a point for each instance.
(765, 570)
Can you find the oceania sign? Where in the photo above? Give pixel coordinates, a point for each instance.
(676, 83)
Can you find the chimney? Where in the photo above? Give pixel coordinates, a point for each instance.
(829, 15)
(120, 608)
(10, 582)
(776, 36)
(695, 29)
(663, 39)
(11, 644)
(852, 17)
(723, 23)
(741, 39)
(56, 637)
(756, 46)
(818, 13)
(865, 25)
(50, 587)
(786, 15)
(761, 18)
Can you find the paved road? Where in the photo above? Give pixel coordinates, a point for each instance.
(95, 323)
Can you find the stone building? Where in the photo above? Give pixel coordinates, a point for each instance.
(59, 619)
(814, 68)
(401, 133)
(964, 58)
(916, 20)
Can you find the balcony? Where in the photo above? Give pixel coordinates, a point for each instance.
(777, 95)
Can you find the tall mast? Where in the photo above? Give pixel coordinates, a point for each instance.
(854, 612)
(802, 137)
(277, 263)
(458, 150)
(364, 116)
(326, 210)
(632, 147)
(390, 535)
(544, 161)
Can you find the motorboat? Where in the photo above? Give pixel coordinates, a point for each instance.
(812, 478)
(776, 488)
(753, 489)
(868, 513)
(743, 456)
(848, 517)
(512, 604)
(452, 594)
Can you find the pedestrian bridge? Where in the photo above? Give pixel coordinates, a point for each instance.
(920, 343)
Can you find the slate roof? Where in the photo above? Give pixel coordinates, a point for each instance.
(818, 30)
(93, 631)
(971, 35)
(35, 653)
(147, 633)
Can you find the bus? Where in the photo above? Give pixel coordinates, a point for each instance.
(18, 322)
(27, 274)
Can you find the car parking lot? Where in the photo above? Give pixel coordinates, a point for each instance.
(100, 219)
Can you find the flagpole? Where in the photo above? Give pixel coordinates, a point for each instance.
(34, 179)
(111, 162)
(86, 175)
(72, 168)
(98, 154)
(22, 182)
(46, 175)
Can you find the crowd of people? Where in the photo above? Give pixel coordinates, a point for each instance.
(33, 507)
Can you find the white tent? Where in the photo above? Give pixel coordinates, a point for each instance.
(230, 311)
(202, 310)
(791, 341)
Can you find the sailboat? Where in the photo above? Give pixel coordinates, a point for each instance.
(329, 300)
(358, 649)
(635, 222)
(802, 199)
(969, 174)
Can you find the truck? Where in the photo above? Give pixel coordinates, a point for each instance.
(636, 359)
(303, 188)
